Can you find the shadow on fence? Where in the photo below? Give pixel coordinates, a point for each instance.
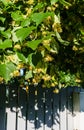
(39, 109)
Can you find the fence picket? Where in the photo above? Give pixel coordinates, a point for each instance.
(56, 113)
(31, 109)
(76, 108)
(40, 109)
(22, 110)
(2, 107)
(48, 110)
(11, 109)
(63, 117)
(81, 110)
(70, 109)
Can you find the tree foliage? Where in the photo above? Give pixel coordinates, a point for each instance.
(46, 38)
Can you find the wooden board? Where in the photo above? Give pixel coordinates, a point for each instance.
(70, 109)
(11, 109)
(2, 107)
(48, 109)
(22, 109)
(31, 109)
(40, 110)
(82, 110)
(76, 109)
(63, 110)
(56, 114)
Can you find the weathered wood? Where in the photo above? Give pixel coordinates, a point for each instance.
(2, 107)
(22, 109)
(76, 109)
(48, 110)
(40, 119)
(31, 109)
(63, 110)
(11, 109)
(82, 110)
(70, 108)
(56, 116)
(41, 109)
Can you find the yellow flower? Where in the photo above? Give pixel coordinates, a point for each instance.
(46, 42)
(57, 27)
(11, 58)
(16, 73)
(44, 33)
(17, 46)
(48, 58)
(30, 2)
(46, 77)
(49, 8)
(74, 48)
(52, 84)
(1, 79)
(27, 89)
(56, 90)
(20, 66)
(78, 80)
(29, 10)
(39, 70)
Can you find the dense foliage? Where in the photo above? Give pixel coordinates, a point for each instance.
(46, 38)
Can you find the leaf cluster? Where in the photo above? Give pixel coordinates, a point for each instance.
(45, 38)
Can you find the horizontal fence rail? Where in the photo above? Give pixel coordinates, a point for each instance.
(37, 109)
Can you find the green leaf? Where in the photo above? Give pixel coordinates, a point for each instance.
(54, 47)
(38, 6)
(29, 75)
(61, 40)
(82, 32)
(2, 28)
(21, 57)
(6, 34)
(2, 19)
(6, 70)
(6, 44)
(25, 23)
(67, 78)
(39, 17)
(53, 1)
(65, 3)
(22, 33)
(30, 59)
(33, 44)
(16, 16)
(5, 2)
(34, 58)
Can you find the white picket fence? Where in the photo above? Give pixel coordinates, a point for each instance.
(40, 109)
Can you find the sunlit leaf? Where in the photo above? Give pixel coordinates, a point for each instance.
(5, 2)
(24, 32)
(25, 22)
(6, 44)
(38, 6)
(2, 19)
(53, 1)
(33, 44)
(61, 40)
(39, 17)
(7, 33)
(28, 75)
(65, 3)
(16, 16)
(21, 57)
(6, 70)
